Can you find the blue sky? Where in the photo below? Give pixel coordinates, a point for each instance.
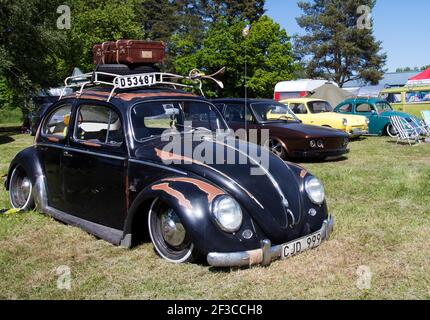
(402, 25)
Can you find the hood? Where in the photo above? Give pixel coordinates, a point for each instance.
(272, 198)
(298, 129)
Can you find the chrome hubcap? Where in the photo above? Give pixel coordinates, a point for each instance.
(20, 189)
(172, 229)
(276, 147)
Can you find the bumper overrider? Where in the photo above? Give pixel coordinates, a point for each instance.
(263, 256)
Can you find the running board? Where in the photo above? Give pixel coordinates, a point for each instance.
(111, 235)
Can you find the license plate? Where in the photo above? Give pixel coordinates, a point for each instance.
(140, 80)
(301, 245)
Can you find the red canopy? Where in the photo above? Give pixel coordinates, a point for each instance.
(425, 75)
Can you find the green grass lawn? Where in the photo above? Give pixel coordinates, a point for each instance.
(380, 197)
(10, 118)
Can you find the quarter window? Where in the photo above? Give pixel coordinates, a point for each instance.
(58, 123)
(364, 108)
(99, 124)
(346, 108)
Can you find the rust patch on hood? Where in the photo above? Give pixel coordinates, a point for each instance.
(168, 156)
(303, 173)
(207, 188)
(183, 201)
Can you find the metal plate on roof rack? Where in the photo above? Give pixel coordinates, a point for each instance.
(139, 80)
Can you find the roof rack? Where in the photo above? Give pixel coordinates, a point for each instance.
(143, 80)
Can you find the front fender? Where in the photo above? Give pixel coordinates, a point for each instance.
(192, 200)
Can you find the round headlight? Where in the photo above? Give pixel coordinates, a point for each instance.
(315, 190)
(313, 144)
(345, 122)
(227, 213)
(367, 121)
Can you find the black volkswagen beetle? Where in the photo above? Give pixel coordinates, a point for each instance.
(99, 163)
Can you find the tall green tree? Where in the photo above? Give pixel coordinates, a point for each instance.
(97, 21)
(265, 53)
(158, 18)
(337, 45)
(231, 10)
(29, 47)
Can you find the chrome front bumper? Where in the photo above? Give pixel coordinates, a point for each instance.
(263, 256)
(355, 133)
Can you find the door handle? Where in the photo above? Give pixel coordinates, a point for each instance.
(67, 154)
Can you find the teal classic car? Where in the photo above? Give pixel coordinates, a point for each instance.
(378, 112)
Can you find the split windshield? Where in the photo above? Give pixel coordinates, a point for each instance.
(151, 119)
(273, 111)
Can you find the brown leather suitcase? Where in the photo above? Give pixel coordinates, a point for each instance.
(129, 52)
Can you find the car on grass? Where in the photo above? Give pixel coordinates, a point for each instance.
(288, 138)
(99, 162)
(320, 113)
(408, 99)
(379, 113)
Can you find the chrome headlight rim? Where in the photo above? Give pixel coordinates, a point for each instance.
(315, 190)
(220, 219)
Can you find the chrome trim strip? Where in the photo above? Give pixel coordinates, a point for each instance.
(79, 151)
(112, 157)
(160, 166)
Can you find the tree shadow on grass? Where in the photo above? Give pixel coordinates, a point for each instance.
(6, 139)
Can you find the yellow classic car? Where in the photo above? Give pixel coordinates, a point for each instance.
(320, 113)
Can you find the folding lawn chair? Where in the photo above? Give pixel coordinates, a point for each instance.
(405, 132)
(426, 117)
(421, 128)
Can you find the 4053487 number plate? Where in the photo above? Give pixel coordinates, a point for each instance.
(139, 80)
(301, 245)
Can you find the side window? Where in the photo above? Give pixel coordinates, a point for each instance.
(99, 124)
(298, 108)
(58, 123)
(219, 106)
(236, 113)
(346, 108)
(364, 108)
(417, 96)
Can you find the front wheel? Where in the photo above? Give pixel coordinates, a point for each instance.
(277, 148)
(391, 131)
(21, 190)
(168, 235)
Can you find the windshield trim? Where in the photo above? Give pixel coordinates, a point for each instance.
(261, 121)
(130, 110)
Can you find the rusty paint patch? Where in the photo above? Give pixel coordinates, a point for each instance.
(167, 156)
(183, 201)
(207, 188)
(131, 96)
(303, 173)
(255, 257)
